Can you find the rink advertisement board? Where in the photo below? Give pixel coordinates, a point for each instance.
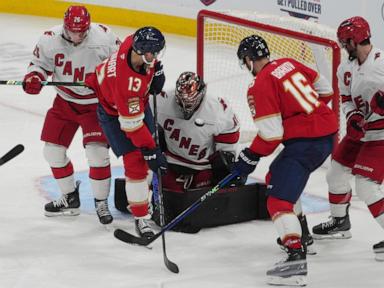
(178, 16)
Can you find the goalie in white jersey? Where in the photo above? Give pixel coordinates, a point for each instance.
(67, 53)
(201, 133)
(360, 154)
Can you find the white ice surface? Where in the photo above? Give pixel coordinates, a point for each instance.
(36, 251)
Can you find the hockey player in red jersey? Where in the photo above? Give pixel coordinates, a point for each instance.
(285, 99)
(67, 53)
(123, 84)
(360, 153)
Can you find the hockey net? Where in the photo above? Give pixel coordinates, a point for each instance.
(219, 35)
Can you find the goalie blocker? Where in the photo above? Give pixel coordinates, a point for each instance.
(228, 206)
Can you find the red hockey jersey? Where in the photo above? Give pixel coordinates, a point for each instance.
(123, 92)
(285, 105)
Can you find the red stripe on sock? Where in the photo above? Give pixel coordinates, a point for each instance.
(292, 242)
(100, 173)
(340, 198)
(62, 172)
(139, 210)
(377, 208)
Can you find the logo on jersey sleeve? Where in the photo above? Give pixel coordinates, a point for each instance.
(134, 105)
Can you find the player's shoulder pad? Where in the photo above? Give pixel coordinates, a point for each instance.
(101, 27)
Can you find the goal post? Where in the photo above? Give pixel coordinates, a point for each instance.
(220, 33)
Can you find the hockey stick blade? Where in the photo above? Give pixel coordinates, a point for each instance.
(131, 239)
(12, 154)
(134, 240)
(168, 263)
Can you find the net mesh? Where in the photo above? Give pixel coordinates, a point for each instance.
(220, 67)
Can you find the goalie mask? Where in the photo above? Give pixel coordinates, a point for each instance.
(148, 42)
(76, 24)
(190, 90)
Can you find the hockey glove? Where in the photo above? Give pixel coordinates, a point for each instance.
(355, 122)
(377, 103)
(246, 162)
(155, 159)
(158, 79)
(32, 83)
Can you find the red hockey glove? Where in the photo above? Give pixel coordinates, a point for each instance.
(377, 103)
(355, 123)
(32, 83)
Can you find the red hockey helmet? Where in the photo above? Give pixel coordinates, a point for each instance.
(355, 28)
(77, 19)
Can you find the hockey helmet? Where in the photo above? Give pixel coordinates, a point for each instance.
(189, 92)
(254, 46)
(355, 28)
(148, 40)
(77, 19)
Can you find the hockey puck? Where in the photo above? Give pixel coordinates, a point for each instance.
(199, 122)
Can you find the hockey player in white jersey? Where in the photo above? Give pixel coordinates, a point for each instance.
(360, 154)
(67, 53)
(200, 131)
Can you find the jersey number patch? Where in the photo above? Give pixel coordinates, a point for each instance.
(297, 86)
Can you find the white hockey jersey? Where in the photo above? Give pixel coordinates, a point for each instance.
(53, 55)
(357, 84)
(213, 127)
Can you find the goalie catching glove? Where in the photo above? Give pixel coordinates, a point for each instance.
(155, 159)
(246, 162)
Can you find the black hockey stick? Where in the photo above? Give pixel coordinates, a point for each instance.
(131, 239)
(168, 263)
(44, 83)
(11, 154)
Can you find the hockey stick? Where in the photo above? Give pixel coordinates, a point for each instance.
(131, 239)
(168, 263)
(44, 83)
(11, 153)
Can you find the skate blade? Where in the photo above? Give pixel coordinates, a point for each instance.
(66, 212)
(337, 235)
(297, 280)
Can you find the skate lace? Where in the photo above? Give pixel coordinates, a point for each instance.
(61, 201)
(329, 223)
(102, 208)
(143, 226)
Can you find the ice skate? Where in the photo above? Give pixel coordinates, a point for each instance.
(66, 205)
(379, 251)
(306, 238)
(143, 229)
(335, 228)
(291, 271)
(103, 212)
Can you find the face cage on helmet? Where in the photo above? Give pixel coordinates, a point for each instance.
(186, 108)
(69, 35)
